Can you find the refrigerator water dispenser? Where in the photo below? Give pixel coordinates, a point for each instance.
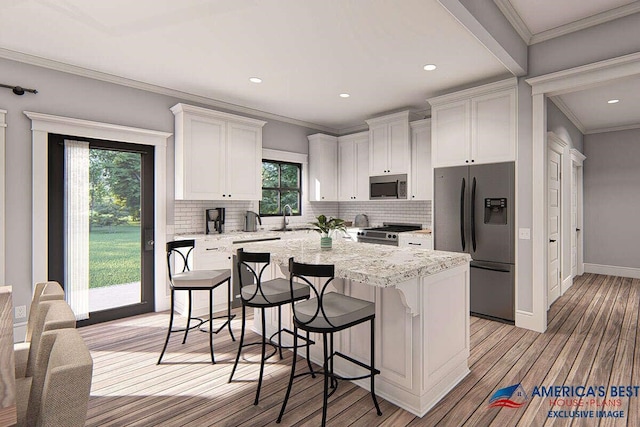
(495, 211)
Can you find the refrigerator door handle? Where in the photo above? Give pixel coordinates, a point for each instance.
(473, 214)
(489, 266)
(462, 214)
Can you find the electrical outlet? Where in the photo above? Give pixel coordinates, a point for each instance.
(21, 312)
(524, 233)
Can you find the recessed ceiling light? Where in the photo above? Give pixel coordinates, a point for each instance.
(430, 67)
(344, 95)
(255, 80)
(613, 101)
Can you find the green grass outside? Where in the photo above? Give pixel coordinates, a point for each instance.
(114, 255)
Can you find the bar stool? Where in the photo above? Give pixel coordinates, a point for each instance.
(196, 280)
(266, 294)
(327, 313)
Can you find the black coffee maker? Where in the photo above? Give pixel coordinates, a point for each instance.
(214, 220)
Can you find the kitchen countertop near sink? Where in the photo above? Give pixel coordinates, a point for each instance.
(231, 236)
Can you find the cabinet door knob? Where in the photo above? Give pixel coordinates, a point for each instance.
(466, 161)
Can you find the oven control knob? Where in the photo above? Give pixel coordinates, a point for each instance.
(395, 236)
(388, 236)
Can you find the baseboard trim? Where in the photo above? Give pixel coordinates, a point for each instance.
(566, 284)
(612, 270)
(528, 320)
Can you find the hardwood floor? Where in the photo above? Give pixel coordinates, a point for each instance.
(591, 340)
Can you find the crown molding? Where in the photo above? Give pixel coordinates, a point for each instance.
(514, 19)
(510, 83)
(567, 112)
(577, 156)
(148, 87)
(590, 21)
(613, 129)
(585, 76)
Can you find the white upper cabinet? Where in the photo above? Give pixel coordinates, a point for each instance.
(323, 168)
(474, 126)
(353, 167)
(421, 169)
(218, 156)
(389, 145)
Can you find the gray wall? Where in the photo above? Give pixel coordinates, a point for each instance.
(558, 123)
(612, 198)
(68, 95)
(608, 40)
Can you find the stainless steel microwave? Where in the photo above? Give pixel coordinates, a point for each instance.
(388, 187)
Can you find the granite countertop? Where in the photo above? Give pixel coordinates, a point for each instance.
(372, 264)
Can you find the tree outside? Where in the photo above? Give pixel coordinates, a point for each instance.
(114, 238)
(280, 186)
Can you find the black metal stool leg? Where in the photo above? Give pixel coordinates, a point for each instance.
(235, 365)
(334, 382)
(373, 356)
(325, 393)
(166, 341)
(213, 360)
(186, 330)
(293, 371)
(280, 331)
(230, 298)
(313, 375)
(264, 351)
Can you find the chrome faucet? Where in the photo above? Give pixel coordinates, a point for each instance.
(285, 222)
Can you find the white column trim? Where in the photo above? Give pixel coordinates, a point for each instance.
(557, 83)
(41, 126)
(577, 158)
(538, 319)
(3, 127)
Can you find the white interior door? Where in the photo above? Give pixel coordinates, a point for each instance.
(574, 220)
(554, 165)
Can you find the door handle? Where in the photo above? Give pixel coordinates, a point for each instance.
(473, 214)
(551, 241)
(577, 229)
(462, 214)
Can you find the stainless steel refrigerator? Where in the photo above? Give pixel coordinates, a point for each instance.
(474, 213)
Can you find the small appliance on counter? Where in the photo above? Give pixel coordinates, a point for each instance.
(250, 220)
(361, 221)
(214, 220)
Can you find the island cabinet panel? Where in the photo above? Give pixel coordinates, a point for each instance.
(218, 156)
(422, 315)
(446, 332)
(395, 338)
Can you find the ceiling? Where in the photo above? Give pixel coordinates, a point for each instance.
(306, 52)
(540, 20)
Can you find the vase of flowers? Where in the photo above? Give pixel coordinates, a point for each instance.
(327, 228)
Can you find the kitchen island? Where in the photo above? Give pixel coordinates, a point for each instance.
(422, 313)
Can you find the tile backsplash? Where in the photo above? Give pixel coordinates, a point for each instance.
(189, 215)
(410, 212)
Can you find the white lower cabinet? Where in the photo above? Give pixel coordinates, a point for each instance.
(411, 240)
(420, 356)
(206, 256)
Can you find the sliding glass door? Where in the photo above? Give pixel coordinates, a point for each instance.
(101, 226)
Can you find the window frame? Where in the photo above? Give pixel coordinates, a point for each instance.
(279, 189)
